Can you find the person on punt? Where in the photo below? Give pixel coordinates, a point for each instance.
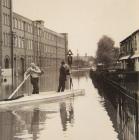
(62, 77)
(35, 73)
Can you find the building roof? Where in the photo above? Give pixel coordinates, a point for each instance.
(125, 57)
(135, 56)
(130, 36)
(46, 29)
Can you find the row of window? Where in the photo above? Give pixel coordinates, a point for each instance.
(137, 59)
(19, 42)
(6, 19)
(47, 35)
(6, 3)
(21, 25)
(43, 61)
(45, 48)
(130, 45)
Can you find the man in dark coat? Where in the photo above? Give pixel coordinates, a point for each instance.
(62, 77)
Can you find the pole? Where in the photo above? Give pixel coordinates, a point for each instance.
(12, 49)
(56, 52)
(10, 97)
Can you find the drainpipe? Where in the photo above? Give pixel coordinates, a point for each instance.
(25, 47)
(56, 52)
(12, 47)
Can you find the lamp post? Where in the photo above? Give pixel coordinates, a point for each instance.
(69, 54)
(77, 59)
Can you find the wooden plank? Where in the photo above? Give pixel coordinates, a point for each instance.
(44, 96)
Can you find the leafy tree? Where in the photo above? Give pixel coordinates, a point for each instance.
(106, 51)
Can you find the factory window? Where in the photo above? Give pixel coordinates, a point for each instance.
(15, 23)
(6, 38)
(15, 41)
(4, 18)
(27, 44)
(45, 35)
(7, 62)
(20, 42)
(22, 25)
(6, 3)
(31, 44)
(26, 27)
(30, 29)
(19, 24)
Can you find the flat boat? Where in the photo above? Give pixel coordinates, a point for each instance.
(43, 97)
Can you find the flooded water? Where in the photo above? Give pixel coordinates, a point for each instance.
(101, 114)
(47, 82)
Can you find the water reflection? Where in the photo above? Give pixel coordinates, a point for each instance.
(22, 124)
(35, 123)
(71, 119)
(47, 82)
(66, 114)
(122, 109)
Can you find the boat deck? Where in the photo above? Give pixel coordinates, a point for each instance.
(44, 96)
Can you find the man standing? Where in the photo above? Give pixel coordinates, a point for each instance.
(62, 77)
(35, 73)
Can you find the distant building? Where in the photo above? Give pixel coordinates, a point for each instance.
(83, 60)
(129, 52)
(30, 40)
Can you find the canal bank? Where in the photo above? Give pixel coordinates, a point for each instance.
(126, 82)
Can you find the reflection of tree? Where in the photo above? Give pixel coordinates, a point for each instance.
(67, 115)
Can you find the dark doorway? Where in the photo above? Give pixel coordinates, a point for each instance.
(7, 63)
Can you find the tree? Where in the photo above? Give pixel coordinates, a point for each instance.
(105, 51)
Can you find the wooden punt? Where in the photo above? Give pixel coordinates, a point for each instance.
(44, 97)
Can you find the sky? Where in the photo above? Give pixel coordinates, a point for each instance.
(85, 21)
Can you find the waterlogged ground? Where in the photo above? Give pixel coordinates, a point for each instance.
(89, 117)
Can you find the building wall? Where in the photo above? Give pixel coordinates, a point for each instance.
(130, 47)
(6, 31)
(0, 33)
(32, 42)
(137, 39)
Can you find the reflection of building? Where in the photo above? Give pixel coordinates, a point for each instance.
(31, 41)
(21, 124)
(83, 60)
(129, 49)
(123, 111)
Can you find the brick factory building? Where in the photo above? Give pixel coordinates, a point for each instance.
(23, 41)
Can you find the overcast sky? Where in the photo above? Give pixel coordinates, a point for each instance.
(86, 21)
